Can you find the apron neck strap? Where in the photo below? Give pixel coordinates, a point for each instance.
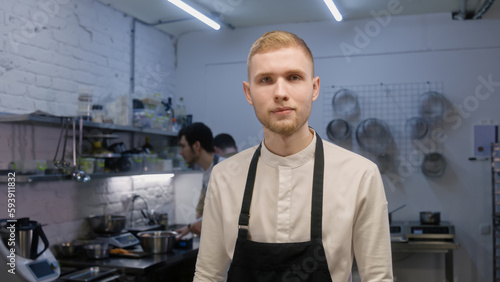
(247, 196)
(317, 193)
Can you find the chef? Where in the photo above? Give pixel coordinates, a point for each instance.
(295, 207)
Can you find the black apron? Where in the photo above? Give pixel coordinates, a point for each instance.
(286, 262)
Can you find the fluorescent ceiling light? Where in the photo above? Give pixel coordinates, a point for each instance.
(335, 12)
(195, 13)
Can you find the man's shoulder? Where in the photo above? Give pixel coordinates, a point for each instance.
(337, 154)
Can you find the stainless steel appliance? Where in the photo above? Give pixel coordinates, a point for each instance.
(431, 232)
(24, 257)
(415, 231)
(398, 231)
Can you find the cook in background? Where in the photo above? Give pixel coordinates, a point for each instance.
(196, 147)
(293, 228)
(224, 145)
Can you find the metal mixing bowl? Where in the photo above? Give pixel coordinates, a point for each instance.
(157, 242)
(107, 224)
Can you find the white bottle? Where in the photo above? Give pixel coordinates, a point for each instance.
(180, 113)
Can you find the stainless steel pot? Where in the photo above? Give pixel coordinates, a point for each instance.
(107, 224)
(429, 217)
(98, 250)
(157, 242)
(68, 249)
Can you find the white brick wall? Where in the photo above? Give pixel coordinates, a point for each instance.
(53, 48)
(49, 50)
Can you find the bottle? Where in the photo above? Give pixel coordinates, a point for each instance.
(169, 113)
(180, 112)
(147, 147)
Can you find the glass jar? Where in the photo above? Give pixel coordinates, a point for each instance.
(97, 113)
(84, 105)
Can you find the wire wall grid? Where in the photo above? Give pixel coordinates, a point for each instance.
(394, 104)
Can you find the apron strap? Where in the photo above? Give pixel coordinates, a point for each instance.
(247, 196)
(317, 192)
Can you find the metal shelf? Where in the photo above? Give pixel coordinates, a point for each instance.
(64, 177)
(44, 119)
(40, 119)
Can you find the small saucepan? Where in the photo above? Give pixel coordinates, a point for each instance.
(429, 217)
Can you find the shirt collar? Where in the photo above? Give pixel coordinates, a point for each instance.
(291, 161)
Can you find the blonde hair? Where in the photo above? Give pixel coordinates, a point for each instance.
(277, 39)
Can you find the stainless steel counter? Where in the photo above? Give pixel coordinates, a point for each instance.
(144, 269)
(445, 247)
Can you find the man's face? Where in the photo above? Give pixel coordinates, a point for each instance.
(281, 89)
(187, 151)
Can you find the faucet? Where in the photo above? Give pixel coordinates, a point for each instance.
(148, 219)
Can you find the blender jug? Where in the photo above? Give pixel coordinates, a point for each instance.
(28, 234)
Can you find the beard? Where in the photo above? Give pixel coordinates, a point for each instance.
(285, 126)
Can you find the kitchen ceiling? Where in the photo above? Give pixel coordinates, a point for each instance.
(246, 13)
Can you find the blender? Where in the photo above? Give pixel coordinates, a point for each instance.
(25, 252)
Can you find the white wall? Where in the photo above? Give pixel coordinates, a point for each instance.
(50, 50)
(212, 66)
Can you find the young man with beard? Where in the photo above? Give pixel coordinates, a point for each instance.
(294, 208)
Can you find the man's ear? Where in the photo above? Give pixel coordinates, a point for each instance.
(315, 88)
(246, 89)
(196, 146)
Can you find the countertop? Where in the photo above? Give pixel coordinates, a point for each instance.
(135, 266)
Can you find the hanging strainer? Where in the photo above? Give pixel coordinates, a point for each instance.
(373, 135)
(338, 130)
(345, 103)
(434, 165)
(431, 106)
(416, 127)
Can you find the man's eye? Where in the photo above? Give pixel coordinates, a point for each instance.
(294, 77)
(265, 79)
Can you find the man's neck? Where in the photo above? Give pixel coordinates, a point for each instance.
(288, 145)
(205, 160)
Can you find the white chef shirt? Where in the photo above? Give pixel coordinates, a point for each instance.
(355, 216)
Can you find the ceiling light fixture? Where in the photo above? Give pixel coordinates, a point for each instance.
(195, 13)
(335, 12)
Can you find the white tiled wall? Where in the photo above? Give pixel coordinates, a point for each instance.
(50, 50)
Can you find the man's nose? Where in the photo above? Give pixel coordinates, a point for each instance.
(281, 90)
